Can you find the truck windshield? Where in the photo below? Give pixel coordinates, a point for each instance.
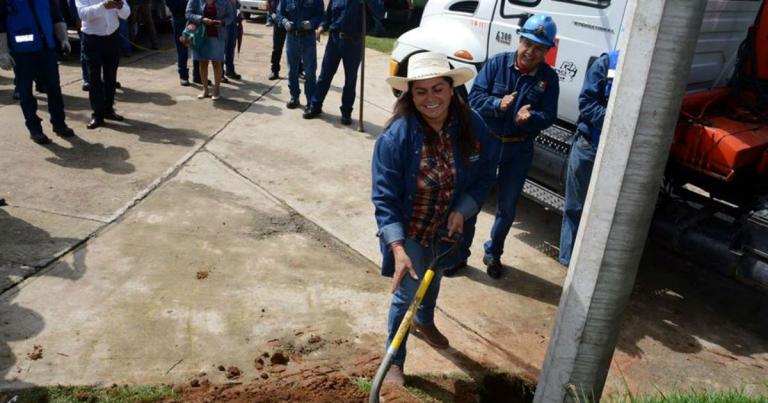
(588, 3)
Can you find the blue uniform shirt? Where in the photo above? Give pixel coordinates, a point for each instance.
(395, 167)
(593, 99)
(346, 16)
(499, 77)
(297, 11)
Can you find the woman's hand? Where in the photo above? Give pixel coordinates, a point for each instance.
(455, 224)
(207, 21)
(403, 266)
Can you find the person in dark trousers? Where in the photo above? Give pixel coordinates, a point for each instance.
(344, 22)
(300, 18)
(229, 47)
(178, 9)
(30, 30)
(593, 102)
(278, 41)
(100, 23)
(516, 93)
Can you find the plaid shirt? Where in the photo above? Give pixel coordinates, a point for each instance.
(434, 188)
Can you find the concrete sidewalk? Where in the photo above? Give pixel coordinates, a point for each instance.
(275, 211)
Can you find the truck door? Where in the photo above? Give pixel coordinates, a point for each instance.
(585, 30)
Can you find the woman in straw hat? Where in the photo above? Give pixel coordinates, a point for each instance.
(432, 168)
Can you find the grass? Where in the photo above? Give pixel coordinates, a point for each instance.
(77, 394)
(384, 45)
(695, 396)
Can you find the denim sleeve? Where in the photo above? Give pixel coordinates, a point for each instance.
(388, 188)
(591, 98)
(194, 14)
(480, 98)
(281, 17)
(228, 16)
(479, 187)
(545, 115)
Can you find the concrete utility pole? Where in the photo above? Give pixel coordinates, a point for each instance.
(657, 47)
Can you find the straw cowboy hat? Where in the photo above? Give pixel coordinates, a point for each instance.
(426, 65)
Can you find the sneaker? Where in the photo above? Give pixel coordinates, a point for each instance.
(184, 82)
(346, 120)
(312, 113)
(40, 138)
(293, 103)
(453, 270)
(64, 131)
(493, 266)
(395, 375)
(431, 335)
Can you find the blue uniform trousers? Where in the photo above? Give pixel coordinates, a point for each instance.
(346, 50)
(513, 169)
(42, 66)
(229, 49)
(580, 163)
(420, 256)
(182, 52)
(301, 48)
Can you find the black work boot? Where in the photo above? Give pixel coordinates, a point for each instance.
(39, 138)
(293, 103)
(493, 266)
(312, 112)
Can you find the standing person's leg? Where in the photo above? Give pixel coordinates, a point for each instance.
(196, 71)
(229, 51)
(204, 78)
(145, 12)
(111, 53)
(217, 74)
(331, 60)
(351, 57)
(182, 53)
(84, 64)
(513, 169)
(278, 40)
(292, 50)
(49, 69)
(580, 162)
(309, 59)
(94, 57)
(25, 71)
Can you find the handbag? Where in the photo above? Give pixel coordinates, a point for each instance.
(199, 39)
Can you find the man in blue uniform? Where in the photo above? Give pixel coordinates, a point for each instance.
(343, 20)
(516, 93)
(178, 10)
(29, 33)
(593, 102)
(300, 18)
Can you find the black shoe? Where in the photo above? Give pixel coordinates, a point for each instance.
(86, 87)
(64, 131)
(346, 120)
(493, 266)
(41, 89)
(225, 80)
(118, 85)
(311, 113)
(94, 123)
(184, 82)
(293, 103)
(234, 76)
(453, 270)
(2, 202)
(301, 76)
(40, 138)
(113, 116)
(274, 76)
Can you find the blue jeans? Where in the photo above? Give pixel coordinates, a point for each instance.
(420, 256)
(301, 49)
(348, 51)
(42, 66)
(182, 53)
(513, 169)
(580, 163)
(229, 49)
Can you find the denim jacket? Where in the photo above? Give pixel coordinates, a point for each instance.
(395, 167)
(346, 16)
(224, 12)
(297, 11)
(499, 77)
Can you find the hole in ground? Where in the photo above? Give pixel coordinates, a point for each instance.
(505, 388)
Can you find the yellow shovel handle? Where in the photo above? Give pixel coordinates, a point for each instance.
(408, 318)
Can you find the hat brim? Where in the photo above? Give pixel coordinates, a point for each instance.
(459, 76)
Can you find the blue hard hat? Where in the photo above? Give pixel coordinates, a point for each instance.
(540, 29)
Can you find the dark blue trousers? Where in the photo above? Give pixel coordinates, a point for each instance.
(229, 49)
(301, 49)
(102, 53)
(182, 53)
(345, 50)
(43, 67)
(579, 171)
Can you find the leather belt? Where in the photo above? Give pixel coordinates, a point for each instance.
(344, 35)
(511, 139)
(301, 32)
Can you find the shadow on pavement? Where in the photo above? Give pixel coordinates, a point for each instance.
(152, 133)
(85, 155)
(126, 94)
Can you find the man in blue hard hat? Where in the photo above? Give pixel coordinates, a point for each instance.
(593, 101)
(516, 94)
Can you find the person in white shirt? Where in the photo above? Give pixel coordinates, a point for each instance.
(101, 44)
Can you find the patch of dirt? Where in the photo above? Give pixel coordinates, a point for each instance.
(36, 354)
(233, 373)
(202, 275)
